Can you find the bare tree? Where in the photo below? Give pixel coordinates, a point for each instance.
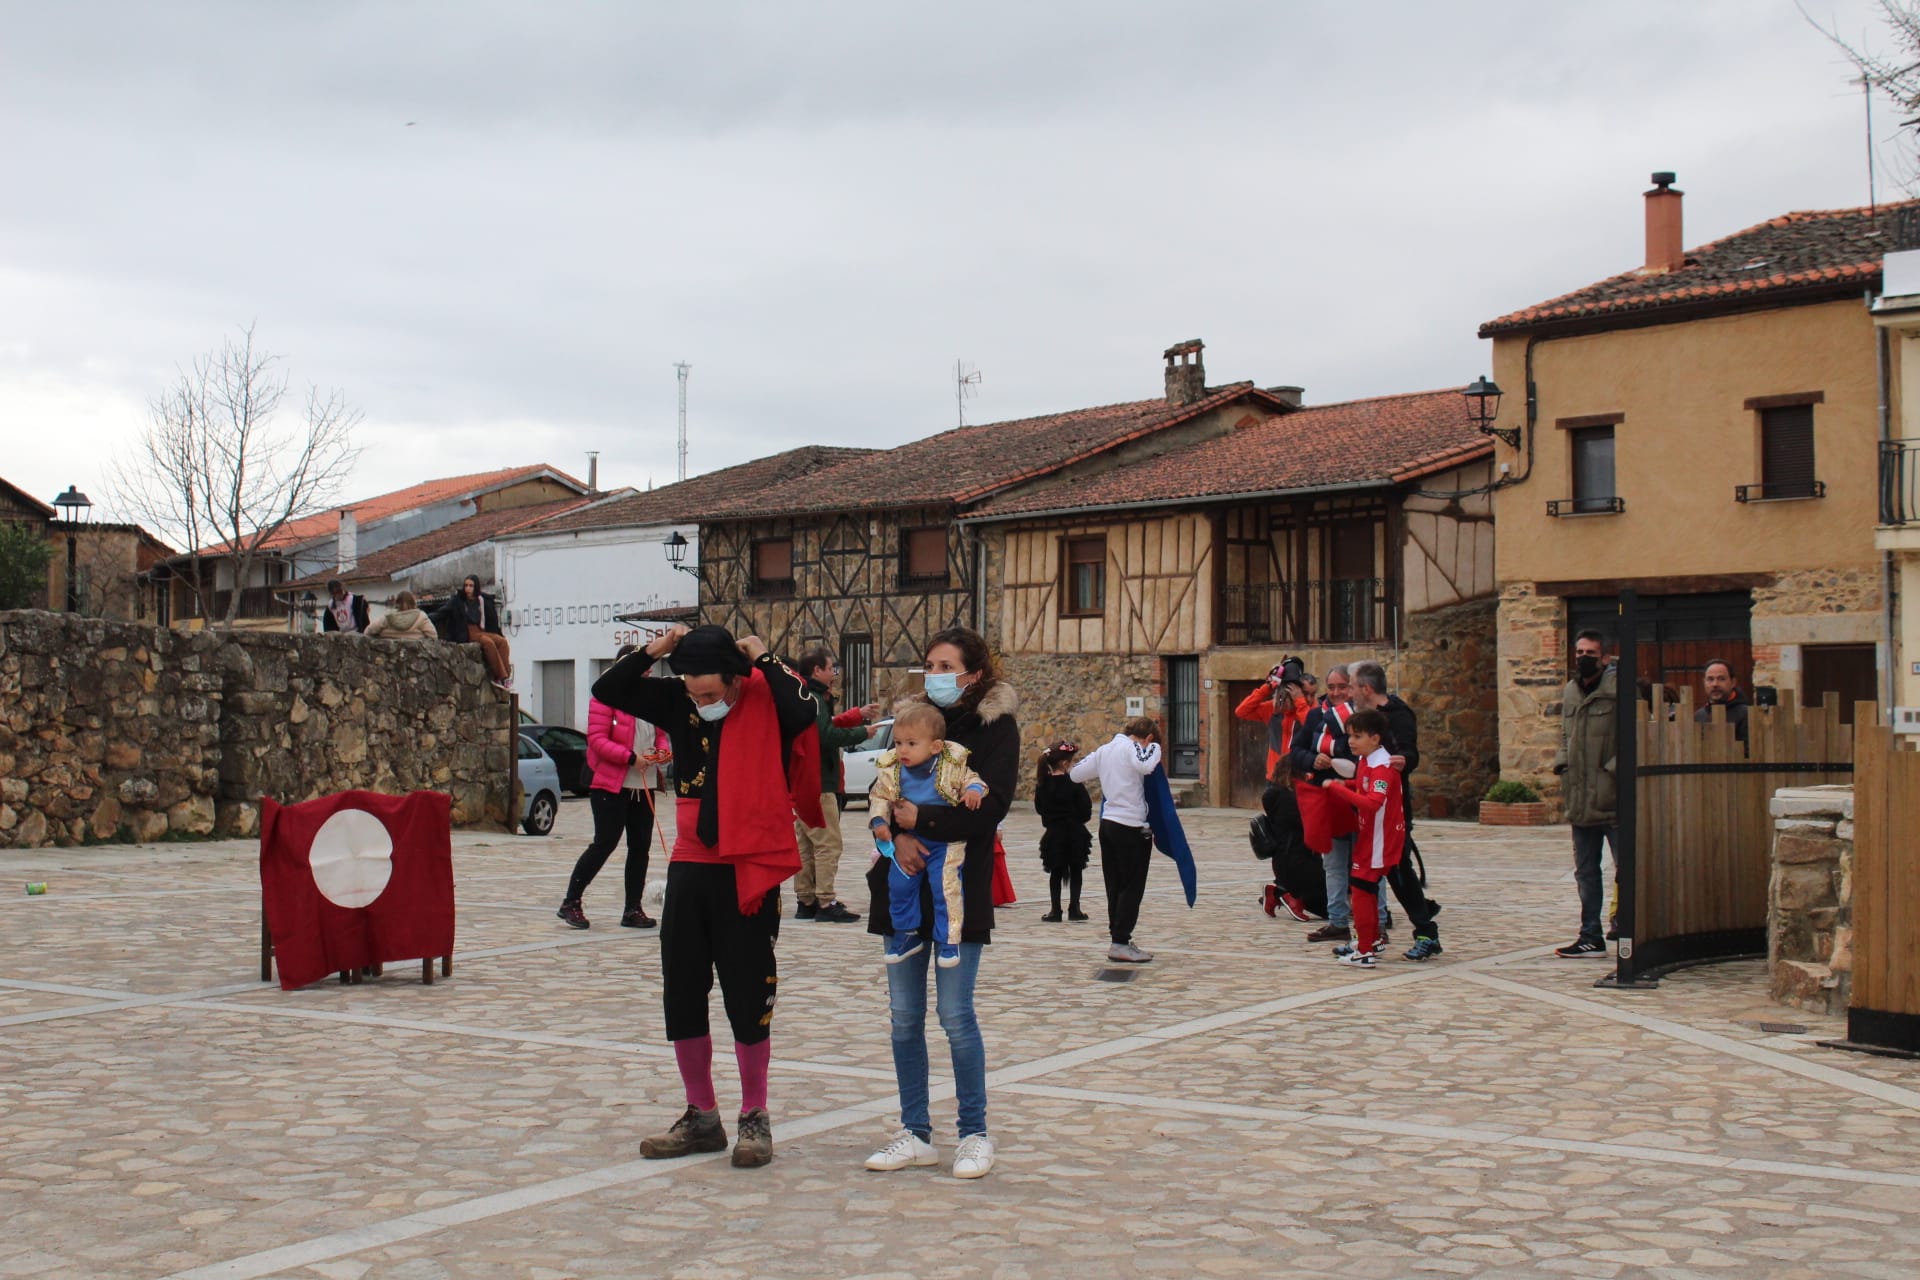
(220, 470)
(1897, 75)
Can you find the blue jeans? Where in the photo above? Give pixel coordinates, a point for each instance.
(907, 1000)
(1339, 907)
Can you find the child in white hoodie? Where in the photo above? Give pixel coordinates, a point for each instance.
(1126, 841)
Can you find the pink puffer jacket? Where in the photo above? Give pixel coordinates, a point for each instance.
(611, 736)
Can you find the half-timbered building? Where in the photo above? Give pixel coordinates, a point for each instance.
(1171, 584)
(869, 556)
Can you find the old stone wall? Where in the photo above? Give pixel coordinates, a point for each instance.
(116, 731)
(1810, 898)
(1447, 673)
(1531, 672)
(1081, 697)
(1812, 606)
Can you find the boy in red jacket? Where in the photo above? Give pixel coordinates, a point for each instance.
(1375, 792)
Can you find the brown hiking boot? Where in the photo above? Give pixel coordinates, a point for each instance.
(755, 1146)
(697, 1130)
(1331, 933)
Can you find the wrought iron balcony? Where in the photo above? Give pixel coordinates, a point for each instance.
(1899, 482)
(1788, 491)
(1586, 506)
(1327, 611)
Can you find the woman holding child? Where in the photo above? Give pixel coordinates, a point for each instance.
(978, 710)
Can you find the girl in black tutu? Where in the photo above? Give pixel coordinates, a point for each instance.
(1064, 808)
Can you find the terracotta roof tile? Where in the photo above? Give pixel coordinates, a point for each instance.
(426, 493)
(463, 533)
(1384, 440)
(1808, 251)
(681, 502)
(969, 463)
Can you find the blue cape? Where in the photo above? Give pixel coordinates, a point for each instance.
(1167, 832)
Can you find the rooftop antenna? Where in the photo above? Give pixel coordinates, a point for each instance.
(681, 369)
(1865, 81)
(965, 379)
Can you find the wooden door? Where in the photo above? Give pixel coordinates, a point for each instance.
(1846, 669)
(1246, 751)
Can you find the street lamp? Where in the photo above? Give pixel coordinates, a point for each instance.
(72, 504)
(676, 546)
(1483, 406)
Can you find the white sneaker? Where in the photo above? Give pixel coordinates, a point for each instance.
(1127, 953)
(973, 1157)
(905, 1149)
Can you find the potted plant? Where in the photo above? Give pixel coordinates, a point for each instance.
(1512, 804)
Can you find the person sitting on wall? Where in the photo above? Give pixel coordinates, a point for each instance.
(473, 617)
(1724, 691)
(405, 621)
(345, 611)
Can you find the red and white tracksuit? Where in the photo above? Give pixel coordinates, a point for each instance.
(1375, 792)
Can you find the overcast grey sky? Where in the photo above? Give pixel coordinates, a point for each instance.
(496, 226)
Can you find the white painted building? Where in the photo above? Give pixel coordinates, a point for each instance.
(562, 593)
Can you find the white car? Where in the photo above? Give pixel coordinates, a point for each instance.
(539, 788)
(857, 763)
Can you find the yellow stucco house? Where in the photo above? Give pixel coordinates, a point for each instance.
(1705, 429)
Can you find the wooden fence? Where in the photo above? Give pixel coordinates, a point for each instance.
(1884, 1011)
(1703, 835)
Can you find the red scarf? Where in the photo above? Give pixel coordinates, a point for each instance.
(756, 821)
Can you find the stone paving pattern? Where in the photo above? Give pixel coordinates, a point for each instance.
(1242, 1106)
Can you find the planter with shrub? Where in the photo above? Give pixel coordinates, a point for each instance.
(1512, 804)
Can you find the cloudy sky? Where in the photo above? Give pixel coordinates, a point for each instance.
(496, 226)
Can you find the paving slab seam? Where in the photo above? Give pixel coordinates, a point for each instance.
(1471, 1137)
(1706, 1040)
(134, 1002)
(340, 1244)
(641, 1048)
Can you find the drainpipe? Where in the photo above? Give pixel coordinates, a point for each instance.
(1889, 581)
(979, 582)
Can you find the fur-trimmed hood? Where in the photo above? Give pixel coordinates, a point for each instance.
(1001, 699)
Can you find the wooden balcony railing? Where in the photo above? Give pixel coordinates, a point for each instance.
(1325, 611)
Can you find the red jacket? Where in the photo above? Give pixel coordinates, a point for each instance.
(1375, 792)
(1259, 707)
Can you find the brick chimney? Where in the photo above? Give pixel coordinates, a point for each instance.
(1666, 250)
(1186, 375)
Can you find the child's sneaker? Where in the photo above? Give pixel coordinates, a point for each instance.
(1358, 959)
(946, 955)
(902, 945)
(1346, 949)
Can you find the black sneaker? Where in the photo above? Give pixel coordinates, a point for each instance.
(805, 910)
(1076, 914)
(1423, 948)
(570, 912)
(697, 1130)
(835, 913)
(1583, 949)
(1613, 933)
(635, 918)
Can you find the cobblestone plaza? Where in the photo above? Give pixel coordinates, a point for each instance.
(1241, 1106)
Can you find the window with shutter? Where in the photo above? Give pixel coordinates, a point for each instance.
(924, 555)
(773, 565)
(1083, 574)
(1786, 452)
(1593, 488)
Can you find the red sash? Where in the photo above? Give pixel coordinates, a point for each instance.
(756, 820)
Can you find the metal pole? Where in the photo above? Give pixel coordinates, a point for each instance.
(680, 370)
(1626, 760)
(73, 588)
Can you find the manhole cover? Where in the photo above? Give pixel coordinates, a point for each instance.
(1783, 1028)
(1115, 975)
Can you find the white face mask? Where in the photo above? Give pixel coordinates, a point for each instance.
(714, 711)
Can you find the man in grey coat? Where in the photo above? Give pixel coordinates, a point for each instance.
(1588, 711)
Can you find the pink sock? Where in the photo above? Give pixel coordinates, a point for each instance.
(753, 1060)
(695, 1057)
